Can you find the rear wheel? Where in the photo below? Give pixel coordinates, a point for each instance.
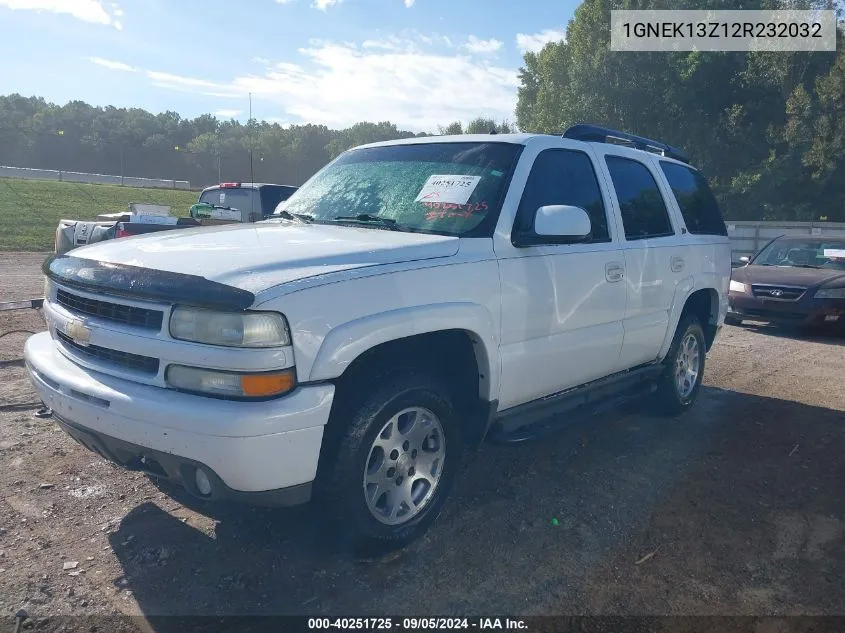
(680, 383)
(732, 320)
(396, 460)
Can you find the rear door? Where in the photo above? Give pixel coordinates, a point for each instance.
(653, 250)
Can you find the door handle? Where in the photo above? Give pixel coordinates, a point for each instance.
(677, 264)
(614, 271)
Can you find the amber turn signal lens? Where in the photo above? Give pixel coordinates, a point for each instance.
(258, 385)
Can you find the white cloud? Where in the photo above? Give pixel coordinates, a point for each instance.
(261, 60)
(168, 80)
(113, 65)
(227, 114)
(390, 43)
(323, 5)
(476, 45)
(409, 3)
(417, 87)
(534, 42)
(91, 11)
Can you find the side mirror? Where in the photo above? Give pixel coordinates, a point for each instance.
(745, 259)
(570, 224)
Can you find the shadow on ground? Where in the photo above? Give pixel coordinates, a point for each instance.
(740, 500)
(828, 336)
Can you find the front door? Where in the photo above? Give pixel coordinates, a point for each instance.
(562, 304)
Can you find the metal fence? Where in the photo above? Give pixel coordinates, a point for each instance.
(101, 179)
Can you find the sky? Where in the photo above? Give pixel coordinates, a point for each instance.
(416, 63)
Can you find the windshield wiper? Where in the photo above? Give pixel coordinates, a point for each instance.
(368, 218)
(287, 215)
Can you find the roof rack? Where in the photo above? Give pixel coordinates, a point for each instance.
(598, 134)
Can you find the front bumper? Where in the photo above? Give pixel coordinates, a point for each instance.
(261, 452)
(807, 311)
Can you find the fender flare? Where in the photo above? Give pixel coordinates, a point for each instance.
(346, 342)
(683, 291)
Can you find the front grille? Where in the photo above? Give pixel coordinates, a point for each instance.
(125, 360)
(774, 314)
(783, 293)
(119, 313)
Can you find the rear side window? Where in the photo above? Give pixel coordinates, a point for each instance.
(562, 176)
(644, 212)
(231, 197)
(696, 200)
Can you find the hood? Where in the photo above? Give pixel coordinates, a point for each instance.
(254, 257)
(787, 275)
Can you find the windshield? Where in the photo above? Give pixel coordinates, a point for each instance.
(240, 199)
(803, 253)
(444, 188)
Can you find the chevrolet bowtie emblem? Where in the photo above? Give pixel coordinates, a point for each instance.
(78, 333)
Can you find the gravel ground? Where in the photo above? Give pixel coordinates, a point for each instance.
(734, 509)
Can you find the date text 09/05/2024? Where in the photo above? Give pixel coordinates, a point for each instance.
(415, 624)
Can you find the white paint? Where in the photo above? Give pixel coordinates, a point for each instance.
(251, 446)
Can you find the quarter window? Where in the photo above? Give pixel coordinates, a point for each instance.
(696, 200)
(643, 209)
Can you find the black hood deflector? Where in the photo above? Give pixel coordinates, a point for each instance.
(134, 282)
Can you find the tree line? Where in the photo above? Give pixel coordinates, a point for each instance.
(133, 142)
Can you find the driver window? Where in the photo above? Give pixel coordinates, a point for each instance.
(562, 176)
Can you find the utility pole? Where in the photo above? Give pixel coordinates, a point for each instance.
(251, 172)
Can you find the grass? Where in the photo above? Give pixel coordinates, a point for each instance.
(30, 210)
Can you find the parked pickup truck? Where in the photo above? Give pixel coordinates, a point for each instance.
(413, 299)
(224, 203)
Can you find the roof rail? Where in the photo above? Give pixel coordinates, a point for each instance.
(598, 134)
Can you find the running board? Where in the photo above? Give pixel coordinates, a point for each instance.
(547, 415)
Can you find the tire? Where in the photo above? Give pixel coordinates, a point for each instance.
(674, 397)
(732, 320)
(361, 491)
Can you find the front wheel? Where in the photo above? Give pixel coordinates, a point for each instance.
(396, 460)
(684, 368)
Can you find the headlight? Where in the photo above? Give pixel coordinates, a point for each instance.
(232, 384)
(738, 287)
(230, 329)
(830, 293)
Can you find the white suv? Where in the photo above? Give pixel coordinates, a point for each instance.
(412, 299)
